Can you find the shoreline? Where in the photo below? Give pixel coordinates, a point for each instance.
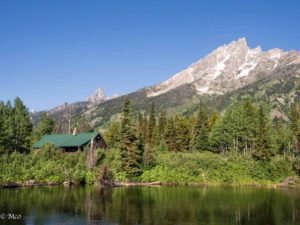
(26, 184)
(290, 182)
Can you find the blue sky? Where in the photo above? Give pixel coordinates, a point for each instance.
(60, 51)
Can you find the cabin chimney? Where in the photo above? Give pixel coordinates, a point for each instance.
(75, 131)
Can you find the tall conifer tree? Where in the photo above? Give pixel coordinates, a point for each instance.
(22, 126)
(151, 126)
(3, 129)
(263, 142)
(212, 120)
(200, 131)
(170, 135)
(182, 134)
(131, 150)
(295, 125)
(112, 134)
(148, 157)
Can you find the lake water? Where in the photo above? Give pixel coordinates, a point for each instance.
(149, 206)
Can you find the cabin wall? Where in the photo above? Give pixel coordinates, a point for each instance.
(99, 142)
(72, 149)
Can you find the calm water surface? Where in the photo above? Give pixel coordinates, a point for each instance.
(149, 206)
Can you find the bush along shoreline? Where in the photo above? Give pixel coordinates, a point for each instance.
(241, 146)
(51, 167)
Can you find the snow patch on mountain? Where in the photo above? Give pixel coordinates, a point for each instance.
(220, 67)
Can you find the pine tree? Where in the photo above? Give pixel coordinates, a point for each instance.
(182, 134)
(131, 150)
(151, 135)
(140, 127)
(283, 138)
(295, 125)
(160, 129)
(140, 134)
(45, 126)
(200, 131)
(3, 129)
(151, 126)
(294, 114)
(148, 157)
(170, 135)
(212, 120)
(263, 142)
(9, 125)
(145, 129)
(127, 137)
(112, 134)
(22, 126)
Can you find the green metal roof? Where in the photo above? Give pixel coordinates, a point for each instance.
(66, 140)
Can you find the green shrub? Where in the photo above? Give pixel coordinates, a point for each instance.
(296, 165)
(90, 178)
(207, 167)
(51, 165)
(46, 165)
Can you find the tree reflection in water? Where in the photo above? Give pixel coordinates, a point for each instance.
(151, 205)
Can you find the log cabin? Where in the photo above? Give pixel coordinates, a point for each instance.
(72, 143)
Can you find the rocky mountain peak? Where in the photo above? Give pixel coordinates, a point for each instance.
(227, 68)
(98, 96)
(238, 44)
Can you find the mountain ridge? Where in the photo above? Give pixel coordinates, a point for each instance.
(214, 78)
(235, 61)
